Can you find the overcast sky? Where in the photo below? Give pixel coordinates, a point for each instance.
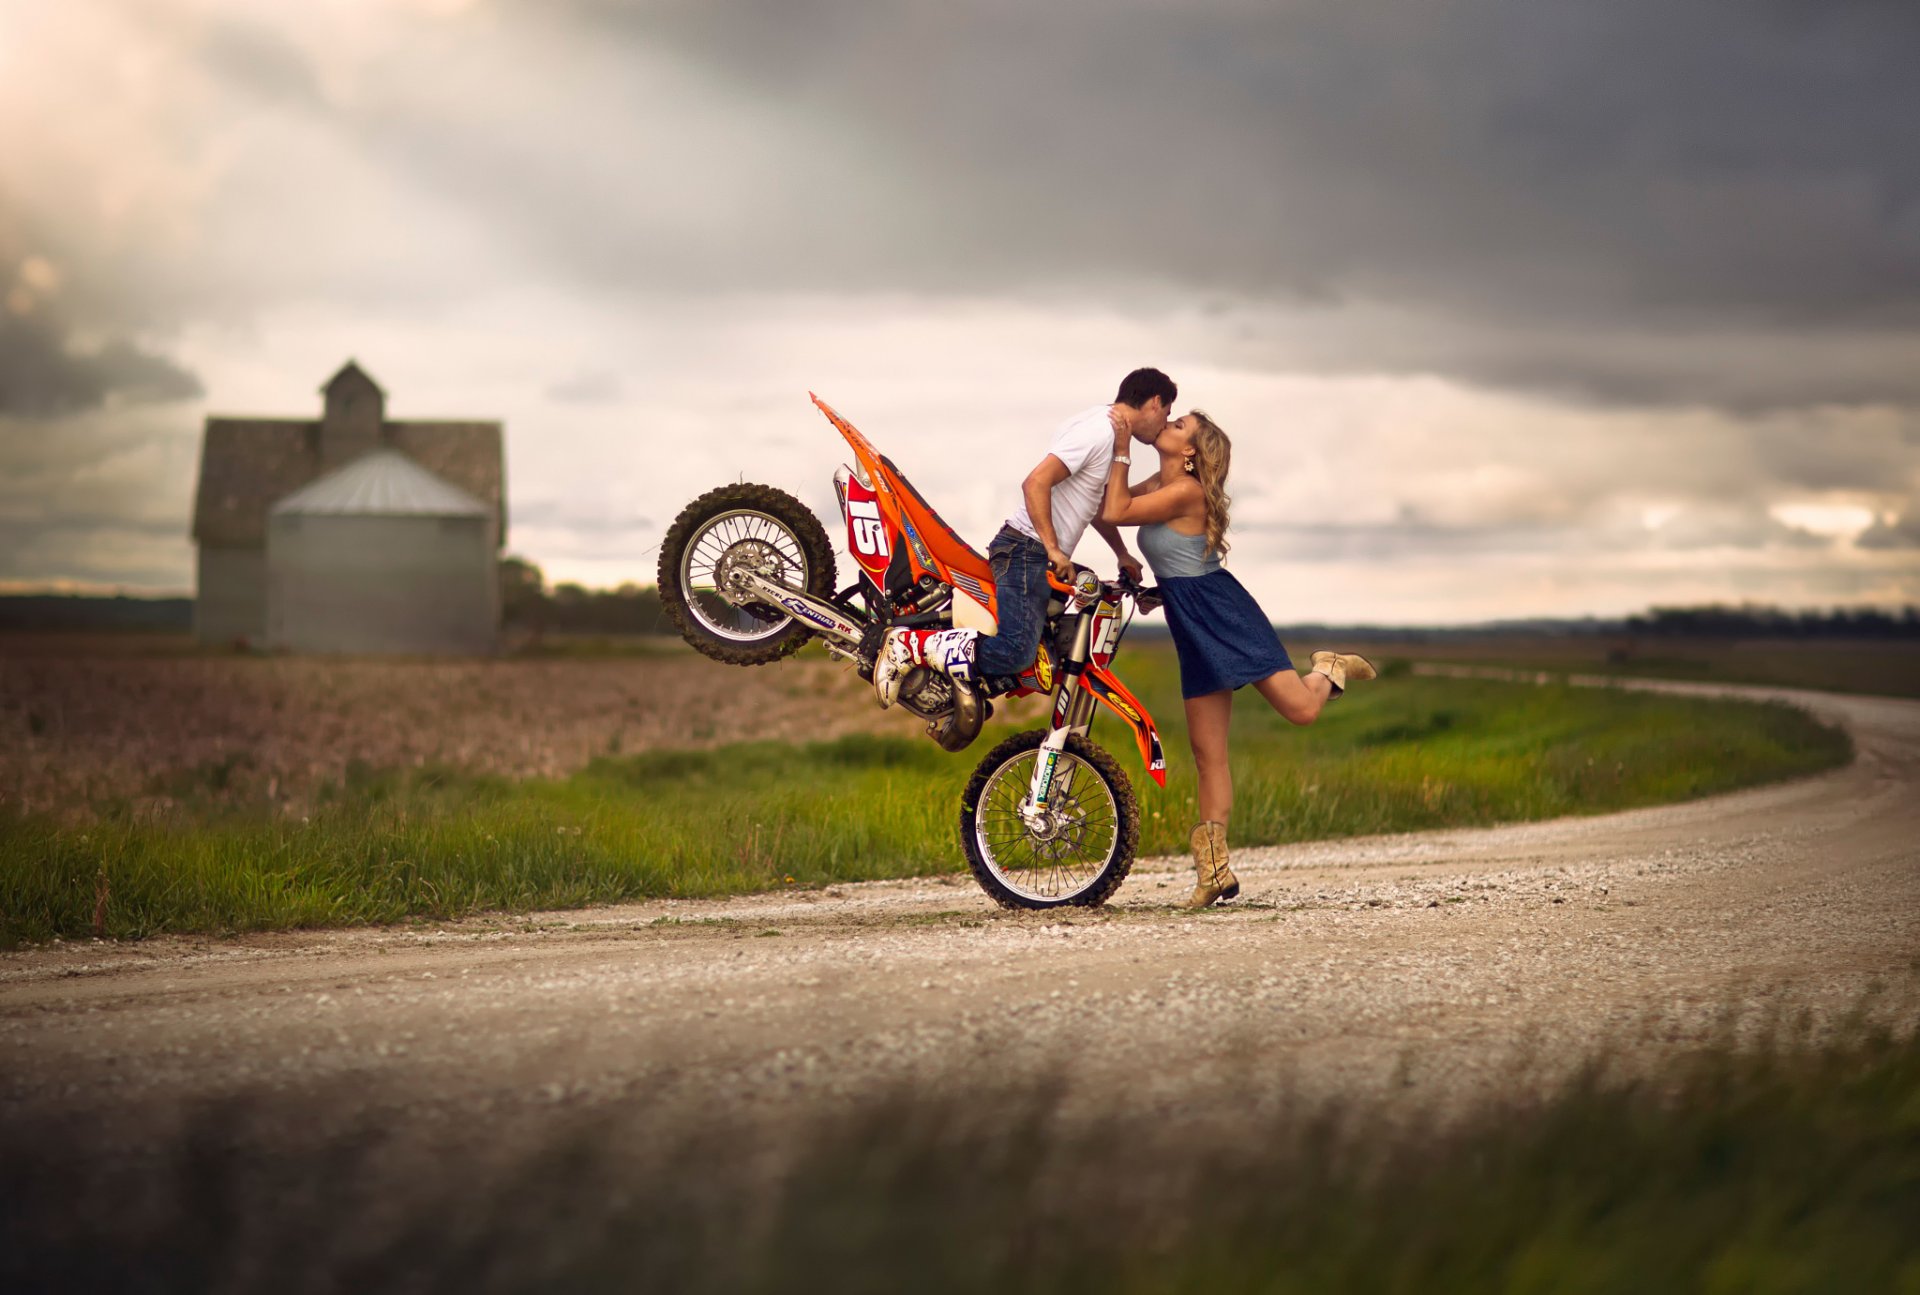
(1529, 307)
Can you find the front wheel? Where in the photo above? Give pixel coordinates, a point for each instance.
(1080, 851)
(730, 530)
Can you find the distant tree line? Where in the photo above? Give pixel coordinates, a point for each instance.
(529, 606)
(1754, 621)
(71, 613)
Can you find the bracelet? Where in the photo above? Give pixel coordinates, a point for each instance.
(1121, 458)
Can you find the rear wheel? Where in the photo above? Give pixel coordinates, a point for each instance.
(1080, 851)
(730, 530)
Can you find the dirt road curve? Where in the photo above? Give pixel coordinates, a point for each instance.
(1434, 964)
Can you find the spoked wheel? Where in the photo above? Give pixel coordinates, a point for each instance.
(729, 531)
(1080, 850)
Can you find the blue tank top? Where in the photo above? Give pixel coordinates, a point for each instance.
(1173, 555)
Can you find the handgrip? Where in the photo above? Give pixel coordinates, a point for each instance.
(1086, 584)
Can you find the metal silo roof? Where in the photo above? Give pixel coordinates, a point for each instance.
(384, 483)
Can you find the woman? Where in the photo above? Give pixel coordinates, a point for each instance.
(1223, 638)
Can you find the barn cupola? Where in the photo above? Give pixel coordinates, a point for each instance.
(356, 411)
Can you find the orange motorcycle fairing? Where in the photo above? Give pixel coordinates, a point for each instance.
(1039, 677)
(1102, 683)
(933, 547)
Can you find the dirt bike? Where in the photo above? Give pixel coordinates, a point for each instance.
(1048, 818)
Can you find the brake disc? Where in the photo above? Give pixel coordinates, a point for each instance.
(755, 557)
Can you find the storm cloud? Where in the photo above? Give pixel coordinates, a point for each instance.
(1629, 201)
(1717, 204)
(1473, 281)
(55, 360)
(44, 372)
(1894, 532)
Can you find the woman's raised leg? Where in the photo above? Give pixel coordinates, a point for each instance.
(1208, 719)
(1298, 698)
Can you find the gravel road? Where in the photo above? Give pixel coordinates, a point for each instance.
(1435, 965)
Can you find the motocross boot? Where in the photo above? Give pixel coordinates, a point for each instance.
(948, 651)
(1339, 667)
(1213, 879)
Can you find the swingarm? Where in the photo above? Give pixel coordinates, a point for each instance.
(746, 587)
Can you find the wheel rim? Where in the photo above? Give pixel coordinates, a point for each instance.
(1070, 854)
(741, 538)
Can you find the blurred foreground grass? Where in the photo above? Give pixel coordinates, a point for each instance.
(1793, 1166)
(1401, 754)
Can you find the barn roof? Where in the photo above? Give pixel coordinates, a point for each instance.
(384, 483)
(249, 464)
(351, 374)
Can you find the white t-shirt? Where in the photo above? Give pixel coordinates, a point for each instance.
(1085, 444)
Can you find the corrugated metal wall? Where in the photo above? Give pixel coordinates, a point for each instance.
(230, 601)
(359, 583)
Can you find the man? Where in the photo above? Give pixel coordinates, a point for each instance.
(1059, 499)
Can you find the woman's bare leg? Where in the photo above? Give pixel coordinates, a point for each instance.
(1208, 718)
(1298, 698)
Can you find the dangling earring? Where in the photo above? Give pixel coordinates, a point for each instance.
(1189, 465)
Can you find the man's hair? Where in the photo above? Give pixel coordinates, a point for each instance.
(1142, 385)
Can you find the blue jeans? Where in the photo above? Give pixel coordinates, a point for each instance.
(1020, 581)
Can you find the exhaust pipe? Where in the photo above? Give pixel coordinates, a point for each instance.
(956, 731)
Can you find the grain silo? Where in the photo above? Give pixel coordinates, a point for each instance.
(382, 556)
(248, 464)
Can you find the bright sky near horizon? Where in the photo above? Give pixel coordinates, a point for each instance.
(1511, 309)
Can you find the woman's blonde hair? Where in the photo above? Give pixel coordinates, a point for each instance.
(1212, 456)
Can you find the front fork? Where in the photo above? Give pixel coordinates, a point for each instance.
(1072, 714)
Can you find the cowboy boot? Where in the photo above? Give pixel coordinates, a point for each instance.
(1213, 879)
(1339, 667)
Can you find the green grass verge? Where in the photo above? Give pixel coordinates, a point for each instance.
(1791, 1168)
(1881, 668)
(1400, 755)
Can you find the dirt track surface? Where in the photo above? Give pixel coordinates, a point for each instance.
(1435, 965)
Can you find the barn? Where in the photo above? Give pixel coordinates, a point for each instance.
(352, 532)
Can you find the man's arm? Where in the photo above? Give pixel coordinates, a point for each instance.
(1037, 489)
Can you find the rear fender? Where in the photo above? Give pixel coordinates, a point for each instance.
(931, 549)
(1102, 683)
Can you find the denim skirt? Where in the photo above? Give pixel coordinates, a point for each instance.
(1224, 640)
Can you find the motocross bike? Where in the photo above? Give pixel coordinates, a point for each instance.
(1048, 818)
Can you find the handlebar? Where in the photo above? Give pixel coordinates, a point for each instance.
(1145, 597)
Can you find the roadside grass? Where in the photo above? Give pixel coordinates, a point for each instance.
(387, 845)
(1793, 1166)
(1888, 668)
(1409, 754)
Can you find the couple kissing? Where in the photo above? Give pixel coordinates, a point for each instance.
(1223, 639)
